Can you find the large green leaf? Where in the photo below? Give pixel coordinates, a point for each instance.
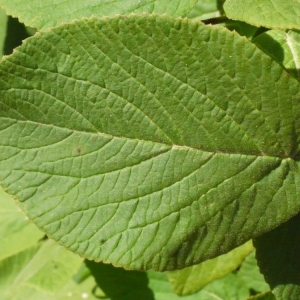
(16, 232)
(278, 259)
(282, 14)
(50, 13)
(192, 279)
(284, 46)
(149, 142)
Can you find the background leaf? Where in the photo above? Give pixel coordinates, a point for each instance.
(278, 259)
(205, 9)
(227, 288)
(3, 20)
(16, 232)
(45, 266)
(54, 12)
(118, 137)
(192, 279)
(283, 14)
(251, 275)
(284, 46)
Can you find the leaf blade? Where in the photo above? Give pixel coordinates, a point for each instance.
(151, 142)
(277, 14)
(53, 13)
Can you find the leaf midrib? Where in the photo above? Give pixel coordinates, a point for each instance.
(172, 146)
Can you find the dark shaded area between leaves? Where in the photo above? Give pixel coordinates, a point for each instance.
(15, 33)
(279, 260)
(120, 284)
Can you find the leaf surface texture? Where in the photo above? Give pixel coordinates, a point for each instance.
(50, 13)
(149, 142)
(283, 14)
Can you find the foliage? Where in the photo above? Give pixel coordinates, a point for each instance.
(132, 136)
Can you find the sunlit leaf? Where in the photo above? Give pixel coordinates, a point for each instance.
(149, 142)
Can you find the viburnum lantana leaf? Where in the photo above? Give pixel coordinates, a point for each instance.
(50, 13)
(283, 14)
(149, 142)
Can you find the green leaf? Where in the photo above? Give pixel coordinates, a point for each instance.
(148, 141)
(3, 20)
(192, 279)
(284, 46)
(72, 290)
(16, 232)
(278, 259)
(205, 9)
(283, 14)
(45, 266)
(119, 284)
(55, 12)
(227, 288)
(251, 275)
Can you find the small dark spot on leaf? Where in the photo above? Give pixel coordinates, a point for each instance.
(102, 241)
(78, 150)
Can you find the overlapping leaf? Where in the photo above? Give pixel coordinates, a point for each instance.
(149, 142)
(50, 13)
(227, 288)
(16, 232)
(192, 279)
(283, 14)
(205, 9)
(284, 46)
(251, 275)
(43, 268)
